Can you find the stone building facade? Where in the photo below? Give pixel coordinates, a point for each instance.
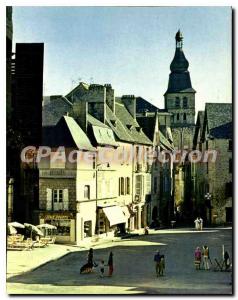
(213, 187)
(119, 185)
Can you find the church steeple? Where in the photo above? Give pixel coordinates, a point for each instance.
(180, 96)
(179, 78)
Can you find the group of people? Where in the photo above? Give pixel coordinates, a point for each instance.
(88, 267)
(159, 260)
(199, 223)
(202, 256)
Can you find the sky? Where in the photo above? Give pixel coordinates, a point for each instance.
(130, 47)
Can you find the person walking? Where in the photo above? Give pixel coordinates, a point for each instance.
(90, 257)
(198, 258)
(110, 264)
(206, 257)
(227, 260)
(197, 225)
(157, 261)
(201, 223)
(161, 265)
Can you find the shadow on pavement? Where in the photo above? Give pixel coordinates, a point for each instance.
(135, 270)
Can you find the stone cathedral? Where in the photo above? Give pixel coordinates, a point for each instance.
(180, 98)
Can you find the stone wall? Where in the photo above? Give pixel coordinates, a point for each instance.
(57, 183)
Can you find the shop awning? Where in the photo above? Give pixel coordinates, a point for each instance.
(114, 214)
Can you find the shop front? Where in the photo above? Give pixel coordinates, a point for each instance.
(112, 220)
(65, 223)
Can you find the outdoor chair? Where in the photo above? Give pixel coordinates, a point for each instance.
(221, 265)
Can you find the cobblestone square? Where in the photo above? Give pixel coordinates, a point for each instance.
(134, 267)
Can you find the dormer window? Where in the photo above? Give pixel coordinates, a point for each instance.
(129, 126)
(138, 129)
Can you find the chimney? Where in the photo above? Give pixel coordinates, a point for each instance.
(96, 98)
(110, 98)
(130, 103)
(80, 114)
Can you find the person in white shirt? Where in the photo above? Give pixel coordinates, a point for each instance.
(197, 225)
(201, 223)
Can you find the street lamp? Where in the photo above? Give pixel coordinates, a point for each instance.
(208, 197)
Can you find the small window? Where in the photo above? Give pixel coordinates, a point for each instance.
(185, 102)
(122, 186)
(230, 165)
(86, 192)
(177, 102)
(177, 117)
(119, 187)
(184, 117)
(128, 185)
(230, 145)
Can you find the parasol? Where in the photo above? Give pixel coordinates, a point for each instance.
(34, 228)
(11, 230)
(16, 225)
(47, 226)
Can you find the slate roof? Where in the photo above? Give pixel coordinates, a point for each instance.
(165, 142)
(179, 78)
(218, 114)
(66, 133)
(117, 126)
(143, 105)
(54, 110)
(223, 131)
(103, 134)
(148, 124)
(131, 126)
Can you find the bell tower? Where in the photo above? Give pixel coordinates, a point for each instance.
(180, 96)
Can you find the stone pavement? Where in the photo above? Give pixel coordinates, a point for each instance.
(23, 261)
(134, 267)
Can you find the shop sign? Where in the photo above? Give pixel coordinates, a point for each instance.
(56, 216)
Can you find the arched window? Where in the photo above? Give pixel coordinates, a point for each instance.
(185, 102)
(86, 192)
(184, 117)
(177, 102)
(177, 116)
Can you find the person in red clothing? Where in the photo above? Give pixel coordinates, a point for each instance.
(110, 264)
(198, 258)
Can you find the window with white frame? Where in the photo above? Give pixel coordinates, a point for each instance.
(128, 186)
(124, 186)
(57, 199)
